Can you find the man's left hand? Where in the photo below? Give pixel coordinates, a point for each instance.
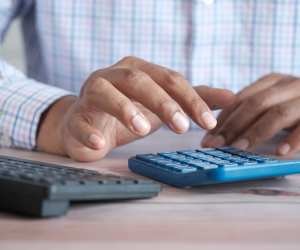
(262, 109)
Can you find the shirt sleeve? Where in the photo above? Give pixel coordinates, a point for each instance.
(22, 100)
(22, 103)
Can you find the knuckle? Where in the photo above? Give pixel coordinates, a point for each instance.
(229, 134)
(262, 131)
(256, 103)
(124, 106)
(196, 104)
(89, 81)
(128, 59)
(166, 108)
(273, 76)
(252, 102)
(96, 85)
(134, 75)
(174, 78)
(259, 132)
(280, 111)
(123, 103)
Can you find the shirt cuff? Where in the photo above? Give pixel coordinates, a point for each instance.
(21, 106)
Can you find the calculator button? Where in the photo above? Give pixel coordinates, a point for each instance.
(228, 165)
(186, 151)
(249, 163)
(204, 165)
(271, 161)
(182, 168)
(218, 153)
(229, 149)
(176, 157)
(146, 157)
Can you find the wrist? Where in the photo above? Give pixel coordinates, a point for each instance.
(49, 135)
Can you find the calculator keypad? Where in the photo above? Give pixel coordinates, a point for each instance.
(188, 161)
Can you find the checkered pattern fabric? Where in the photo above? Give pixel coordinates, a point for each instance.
(221, 43)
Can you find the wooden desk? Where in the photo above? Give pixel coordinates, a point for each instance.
(200, 218)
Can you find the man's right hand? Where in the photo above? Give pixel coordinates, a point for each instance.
(124, 102)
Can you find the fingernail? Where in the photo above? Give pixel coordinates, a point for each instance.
(209, 120)
(284, 149)
(140, 125)
(206, 139)
(241, 144)
(96, 140)
(216, 141)
(180, 122)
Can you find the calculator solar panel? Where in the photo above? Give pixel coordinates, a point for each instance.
(43, 190)
(188, 168)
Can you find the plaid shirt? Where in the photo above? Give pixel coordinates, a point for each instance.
(223, 43)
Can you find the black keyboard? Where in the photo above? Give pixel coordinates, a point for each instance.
(44, 190)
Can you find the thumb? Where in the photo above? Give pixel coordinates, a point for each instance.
(216, 98)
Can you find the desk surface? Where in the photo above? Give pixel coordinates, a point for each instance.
(212, 217)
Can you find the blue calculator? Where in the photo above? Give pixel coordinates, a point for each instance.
(187, 168)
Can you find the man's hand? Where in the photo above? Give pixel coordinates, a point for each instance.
(122, 103)
(261, 110)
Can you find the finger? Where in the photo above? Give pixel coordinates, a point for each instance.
(178, 88)
(291, 143)
(101, 95)
(138, 86)
(80, 152)
(216, 98)
(86, 134)
(250, 110)
(125, 136)
(213, 140)
(261, 84)
(184, 94)
(268, 125)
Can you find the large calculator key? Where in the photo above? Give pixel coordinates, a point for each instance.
(180, 168)
(147, 157)
(175, 157)
(185, 168)
(219, 154)
(203, 165)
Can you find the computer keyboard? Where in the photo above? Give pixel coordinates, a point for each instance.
(42, 189)
(187, 168)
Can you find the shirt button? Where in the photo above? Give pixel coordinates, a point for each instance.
(208, 2)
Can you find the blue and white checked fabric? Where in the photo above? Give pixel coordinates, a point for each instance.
(221, 43)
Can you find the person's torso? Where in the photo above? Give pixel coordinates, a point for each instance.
(228, 43)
